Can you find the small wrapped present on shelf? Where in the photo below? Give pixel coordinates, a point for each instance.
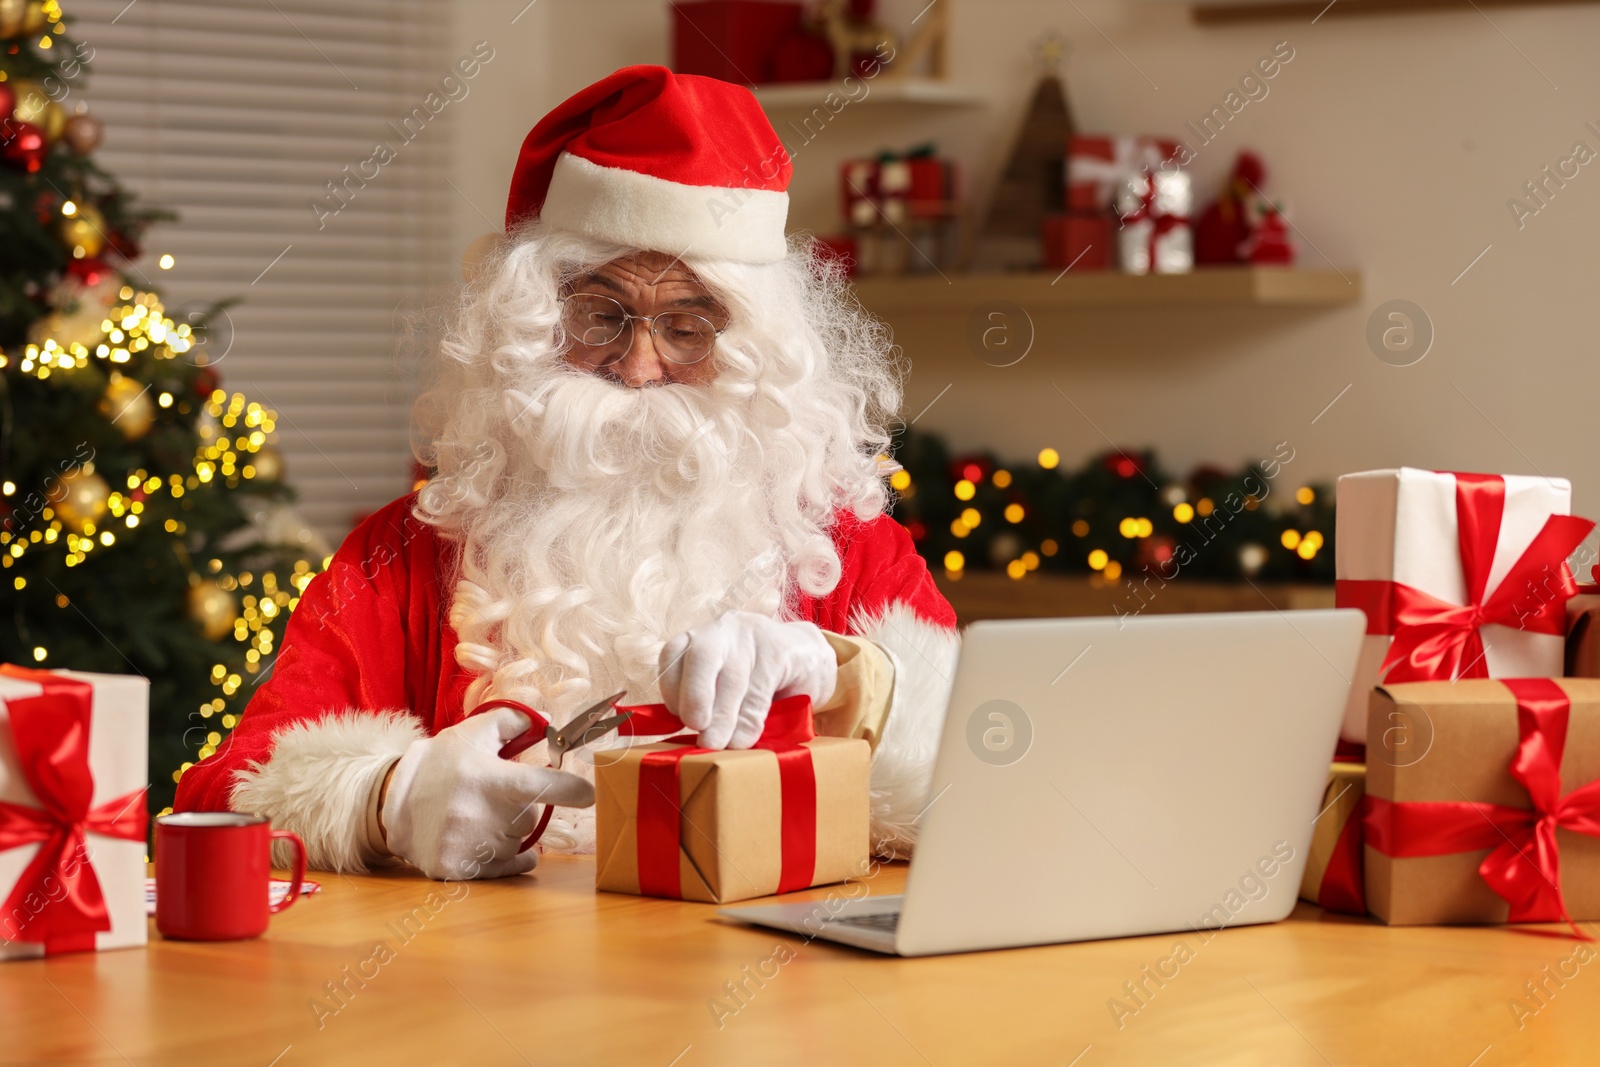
(735, 40)
(1079, 241)
(1096, 163)
(1153, 208)
(1460, 576)
(1332, 878)
(1489, 809)
(72, 811)
(674, 820)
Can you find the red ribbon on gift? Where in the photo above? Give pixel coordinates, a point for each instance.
(51, 733)
(1525, 865)
(1435, 640)
(1341, 888)
(1160, 225)
(660, 823)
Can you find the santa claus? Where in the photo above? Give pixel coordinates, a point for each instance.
(658, 427)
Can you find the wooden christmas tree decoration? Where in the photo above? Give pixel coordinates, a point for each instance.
(1033, 184)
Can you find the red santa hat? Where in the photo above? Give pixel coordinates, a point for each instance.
(651, 159)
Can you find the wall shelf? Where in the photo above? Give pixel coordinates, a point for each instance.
(960, 294)
(926, 92)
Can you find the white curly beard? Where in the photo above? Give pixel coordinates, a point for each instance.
(622, 518)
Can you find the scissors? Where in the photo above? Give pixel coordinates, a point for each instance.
(588, 726)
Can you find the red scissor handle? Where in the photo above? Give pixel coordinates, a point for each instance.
(520, 744)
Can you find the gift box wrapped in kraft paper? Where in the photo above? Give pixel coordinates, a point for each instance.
(674, 820)
(72, 811)
(1487, 810)
(1583, 633)
(1460, 576)
(1332, 878)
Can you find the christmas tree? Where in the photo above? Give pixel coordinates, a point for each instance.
(142, 521)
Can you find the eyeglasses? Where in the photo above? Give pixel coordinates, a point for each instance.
(598, 322)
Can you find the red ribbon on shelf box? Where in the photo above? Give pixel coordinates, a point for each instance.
(1096, 162)
(1435, 640)
(1524, 867)
(51, 735)
(788, 726)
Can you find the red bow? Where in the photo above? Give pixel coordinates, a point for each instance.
(1435, 640)
(1525, 864)
(51, 733)
(1146, 212)
(789, 725)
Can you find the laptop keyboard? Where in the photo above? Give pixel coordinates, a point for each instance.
(886, 921)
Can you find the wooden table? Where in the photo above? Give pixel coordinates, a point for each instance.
(541, 969)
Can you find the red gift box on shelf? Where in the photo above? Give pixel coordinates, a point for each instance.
(896, 188)
(1097, 162)
(72, 811)
(734, 40)
(1079, 241)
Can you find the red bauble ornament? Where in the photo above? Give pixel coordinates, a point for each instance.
(8, 100)
(1123, 465)
(918, 529)
(123, 245)
(89, 270)
(205, 382)
(1154, 552)
(23, 146)
(973, 468)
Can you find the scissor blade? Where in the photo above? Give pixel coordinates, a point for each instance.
(572, 734)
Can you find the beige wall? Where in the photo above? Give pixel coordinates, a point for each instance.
(1397, 142)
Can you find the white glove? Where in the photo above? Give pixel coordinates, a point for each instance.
(721, 678)
(455, 809)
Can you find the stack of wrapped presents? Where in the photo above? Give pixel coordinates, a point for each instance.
(1476, 701)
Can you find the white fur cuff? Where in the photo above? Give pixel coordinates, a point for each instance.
(924, 656)
(320, 780)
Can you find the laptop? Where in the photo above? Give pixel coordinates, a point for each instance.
(1109, 777)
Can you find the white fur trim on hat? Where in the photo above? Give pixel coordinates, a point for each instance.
(642, 211)
(924, 656)
(319, 783)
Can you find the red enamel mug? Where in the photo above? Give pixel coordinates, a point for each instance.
(214, 872)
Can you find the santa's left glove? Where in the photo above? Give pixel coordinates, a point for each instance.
(721, 678)
(455, 810)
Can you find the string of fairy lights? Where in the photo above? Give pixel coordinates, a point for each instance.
(1305, 544)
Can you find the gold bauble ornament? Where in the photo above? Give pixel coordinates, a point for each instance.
(128, 405)
(35, 107)
(83, 133)
(213, 608)
(34, 19)
(81, 498)
(83, 232)
(268, 462)
(13, 17)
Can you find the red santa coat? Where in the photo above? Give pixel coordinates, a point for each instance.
(368, 664)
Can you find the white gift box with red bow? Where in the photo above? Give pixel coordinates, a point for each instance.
(1460, 575)
(73, 765)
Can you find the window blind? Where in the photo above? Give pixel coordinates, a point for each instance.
(259, 122)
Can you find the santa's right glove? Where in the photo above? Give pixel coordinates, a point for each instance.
(455, 810)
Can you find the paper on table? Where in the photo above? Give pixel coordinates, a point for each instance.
(276, 891)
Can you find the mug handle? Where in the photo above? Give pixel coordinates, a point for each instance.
(299, 869)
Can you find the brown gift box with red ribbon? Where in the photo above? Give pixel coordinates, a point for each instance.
(1332, 878)
(1488, 810)
(72, 811)
(673, 820)
(1583, 634)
